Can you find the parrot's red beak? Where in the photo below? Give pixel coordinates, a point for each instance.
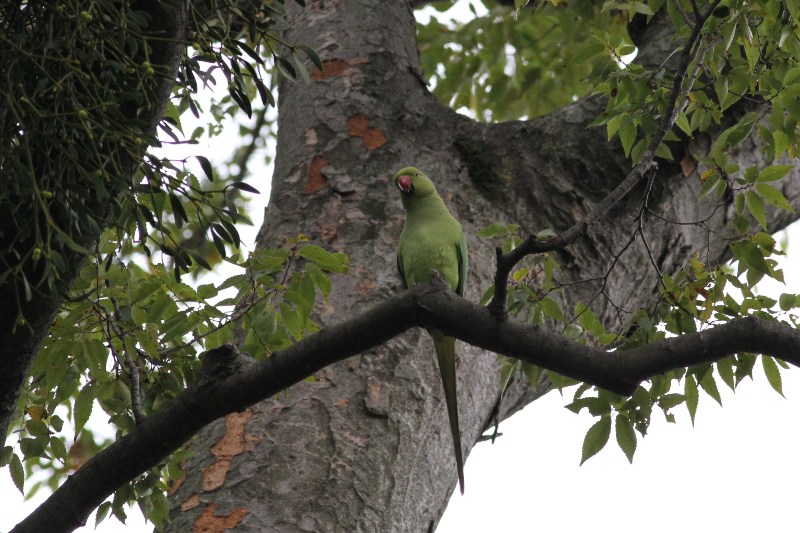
(405, 184)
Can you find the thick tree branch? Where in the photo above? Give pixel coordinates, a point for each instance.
(231, 381)
(677, 100)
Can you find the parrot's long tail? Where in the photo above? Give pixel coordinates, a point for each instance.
(446, 356)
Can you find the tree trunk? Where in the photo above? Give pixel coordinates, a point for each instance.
(366, 446)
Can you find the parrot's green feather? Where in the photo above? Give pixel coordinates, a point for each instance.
(433, 240)
(446, 357)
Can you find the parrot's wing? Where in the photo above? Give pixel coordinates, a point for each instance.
(461, 254)
(400, 269)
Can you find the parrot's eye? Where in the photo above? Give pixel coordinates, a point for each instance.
(405, 184)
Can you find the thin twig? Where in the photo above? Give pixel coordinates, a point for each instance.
(133, 368)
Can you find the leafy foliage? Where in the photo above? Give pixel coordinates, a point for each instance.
(747, 57)
(127, 344)
(81, 81)
(77, 121)
(502, 67)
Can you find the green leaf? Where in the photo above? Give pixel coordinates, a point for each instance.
(692, 396)
(774, 172)
(627, 134)
(596, 438)
(312, 55)
(587, 53)
(292, 320)
(301, 293)
(787, 301)
(626, 437)
(17, 473)
(782, 142)
(495, 230)
(532, 372)
(709, 384)
(683, 123)
(205, 164)
(664, 152)
(507, 371)
(738, 80)
(552, 309)
(596, 406)
(735, 134)
(710, 184)
(725, 371)
(331, 262)
(58, 448)
(774, 197)
(285, 67)
(668, 401)
(207, 290)
(740, 223)
(175, 327)
(756, 207)
(156, 507)
(32, 447)
(244, 187)
(773, 373)
(301, 68)
(102, 513)
(320, 279)
(95, 353)
(589, 321)
(641, 7)
(83, 407)
(5, 457)
(560, 381)
(751, 255)
(744, 366)
(487, 296)
(36, 428)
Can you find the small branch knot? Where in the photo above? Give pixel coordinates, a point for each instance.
(438, 281)
(221, 362)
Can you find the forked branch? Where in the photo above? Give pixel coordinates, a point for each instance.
(679, 95)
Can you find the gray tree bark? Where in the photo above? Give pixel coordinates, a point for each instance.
(366, 446)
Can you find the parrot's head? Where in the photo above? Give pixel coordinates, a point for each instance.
(413, 182)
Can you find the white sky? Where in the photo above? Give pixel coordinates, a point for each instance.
(734, 471)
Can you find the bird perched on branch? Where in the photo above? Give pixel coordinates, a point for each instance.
(433, 240)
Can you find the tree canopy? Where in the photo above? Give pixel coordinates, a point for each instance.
(104, 237)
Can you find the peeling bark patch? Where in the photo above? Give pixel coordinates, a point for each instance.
(229, 446)
(315, 180)
(329, 231)
(357, 126)
(367, 283)
(191, 502)
(176, 484)
(330, 69)
(311, 136)
(688, 165)
(214, 474)
(377, 399)
(208, 522)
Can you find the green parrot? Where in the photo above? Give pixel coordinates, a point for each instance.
(433, 239)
